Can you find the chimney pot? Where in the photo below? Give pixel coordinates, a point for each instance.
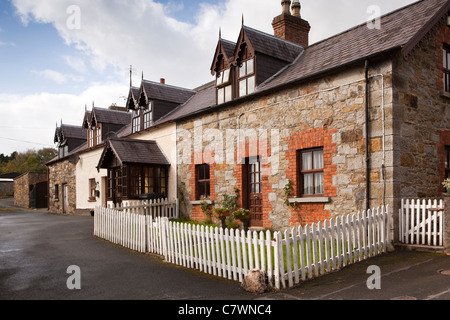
(286, 5)
(162, 81)
(296, 9)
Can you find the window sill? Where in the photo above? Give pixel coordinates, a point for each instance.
(92, 200)
(445, 94)
(310, 200)
(197, 202)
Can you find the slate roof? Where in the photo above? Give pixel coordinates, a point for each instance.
(69, 131)
(111, 116)
(272, 46)
(360, 42)
(132, 151)
(164, 92)
(402, 28)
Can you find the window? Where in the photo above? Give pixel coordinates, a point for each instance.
(136, 121)
(148, 117)
(145, 180)
(90, 138)
(446, 63)
(311, 180)
(98, 133)
(247, 80)
(203, 181)
(92, 188)
(56, 192)
(447, 162)
(224, 87)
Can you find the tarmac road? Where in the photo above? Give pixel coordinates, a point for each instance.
(36, 248)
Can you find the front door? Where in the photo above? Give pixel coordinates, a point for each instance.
(254, 191)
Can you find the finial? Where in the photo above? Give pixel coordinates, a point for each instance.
(220, 33)
(242, 19)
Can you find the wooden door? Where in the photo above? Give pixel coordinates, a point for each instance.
(254, 191)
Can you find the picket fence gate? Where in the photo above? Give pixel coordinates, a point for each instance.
(286, 257)
(421, 222)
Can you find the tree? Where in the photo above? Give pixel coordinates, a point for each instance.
(30, 160)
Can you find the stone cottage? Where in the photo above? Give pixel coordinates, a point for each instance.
(307, 132)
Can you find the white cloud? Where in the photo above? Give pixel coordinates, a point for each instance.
(33, 117)
(57, 77)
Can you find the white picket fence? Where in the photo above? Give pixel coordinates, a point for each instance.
(286, 257)
(155, 208)
(421, 222)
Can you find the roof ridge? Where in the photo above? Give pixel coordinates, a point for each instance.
(168, 85)
(365, 23)
(273, 36)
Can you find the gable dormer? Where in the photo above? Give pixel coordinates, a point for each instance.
(156, 100)
(256, 57)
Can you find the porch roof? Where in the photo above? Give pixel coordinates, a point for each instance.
(132, 151)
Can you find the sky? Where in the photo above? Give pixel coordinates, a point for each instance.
(58, 57)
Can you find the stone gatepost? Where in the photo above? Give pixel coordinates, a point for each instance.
(446, 227)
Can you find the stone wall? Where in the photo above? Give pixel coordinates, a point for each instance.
(62, 173)
(328, 113)
(422, 113)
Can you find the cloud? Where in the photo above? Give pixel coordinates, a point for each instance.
(57, 77)
(34, 117)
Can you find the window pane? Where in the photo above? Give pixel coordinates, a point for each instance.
(318, 160)
(226, 76)
(308, 183)
(306, 161)
(220, 96)
(318, 183)
(228, 93)
(242, 88)
(250, 66)
(251, 85)
(219, 79)
(242, 70)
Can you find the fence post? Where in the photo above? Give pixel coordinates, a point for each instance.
(446, 222)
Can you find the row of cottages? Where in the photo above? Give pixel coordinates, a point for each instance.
(302, 132)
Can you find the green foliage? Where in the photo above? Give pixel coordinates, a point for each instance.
(30, 160)
(230, 203)
(242, 214)
(287, 192)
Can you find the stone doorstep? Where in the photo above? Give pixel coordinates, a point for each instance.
(419, 248)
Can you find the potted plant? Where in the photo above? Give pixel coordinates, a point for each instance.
(446, 185)
(221, 214)
(244, 216)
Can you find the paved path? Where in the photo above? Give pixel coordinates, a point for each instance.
(36, 248)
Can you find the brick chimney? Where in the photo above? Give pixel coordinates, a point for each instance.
(291, 27)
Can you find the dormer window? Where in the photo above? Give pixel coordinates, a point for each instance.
(136, 121)
(247, 79)
(148, 116)
(224, 87)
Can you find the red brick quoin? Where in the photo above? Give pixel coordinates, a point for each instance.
(307, 213)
